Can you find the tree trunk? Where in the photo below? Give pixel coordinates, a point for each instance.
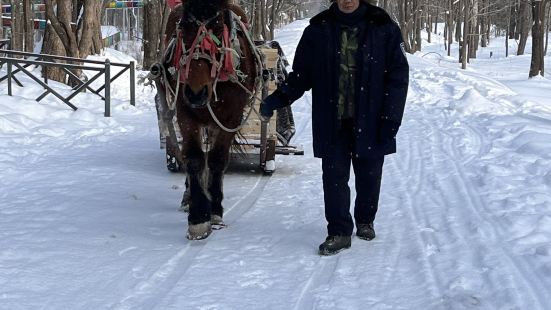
(73, 31)
(17, 25)
(537, 66)
(252, 18)
(418, 39)
(548, 28)
(263, 19)
(155, 19)
(97, 38)
(484, 24)
(257, 33)
(52, 45)
(507, 34)
(88, 31)
(28, 26)
(513, 29)
(403, 14)
(450, 26)
(62, 23)
(458, 22)
(436, 20)
(474, 29)
(428, 25)
(525, 22)
(273, 17)
(465, 41)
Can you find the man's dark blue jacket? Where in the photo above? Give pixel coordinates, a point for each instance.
(382, 82)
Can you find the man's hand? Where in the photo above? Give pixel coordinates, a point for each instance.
(266, 111)
(269, 104)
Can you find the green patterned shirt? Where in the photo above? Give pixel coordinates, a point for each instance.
(347, 71)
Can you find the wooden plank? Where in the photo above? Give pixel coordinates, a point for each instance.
(252, 129)
(270, 57)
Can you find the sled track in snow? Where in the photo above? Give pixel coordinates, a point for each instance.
(443, 156)
(322, 275)
(534, 281)
(414, 174)
(148, 293)
(493, 228)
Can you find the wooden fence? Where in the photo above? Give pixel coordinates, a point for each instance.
(19, 62)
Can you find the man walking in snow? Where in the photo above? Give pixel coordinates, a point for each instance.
(352, 58)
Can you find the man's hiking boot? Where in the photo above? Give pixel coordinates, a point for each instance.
(365, 231)
(334, 244)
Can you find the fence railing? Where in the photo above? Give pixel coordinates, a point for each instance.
(68, 65)
(4, 43)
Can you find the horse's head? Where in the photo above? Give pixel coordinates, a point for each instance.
(202, 35)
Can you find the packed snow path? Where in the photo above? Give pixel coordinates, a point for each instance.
(88, 214)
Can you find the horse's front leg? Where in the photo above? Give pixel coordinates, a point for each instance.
(199, 226)
(218, 159)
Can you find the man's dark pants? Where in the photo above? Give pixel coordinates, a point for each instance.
(336, 174)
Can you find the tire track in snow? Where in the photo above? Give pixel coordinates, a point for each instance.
(148, 293)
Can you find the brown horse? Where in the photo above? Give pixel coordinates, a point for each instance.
(211, 73)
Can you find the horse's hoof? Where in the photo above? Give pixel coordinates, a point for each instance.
(184, 207)
(217, 223)
(199, 231)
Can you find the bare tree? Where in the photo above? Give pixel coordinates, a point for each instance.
(22, 26)
(537, 65)
(73, 30)
(548, 28)
(155, 18)
(525, 22)
(463, 58)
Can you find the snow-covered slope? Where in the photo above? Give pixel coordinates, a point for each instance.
(88, 213)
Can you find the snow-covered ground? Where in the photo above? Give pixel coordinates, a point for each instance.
(88, 213)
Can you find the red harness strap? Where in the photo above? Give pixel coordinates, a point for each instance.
(178, 52)
(208, 47)
(228, 68)
(185, 73)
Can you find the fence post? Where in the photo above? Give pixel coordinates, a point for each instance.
(107, 88)
(133, 83)
(9, 78)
